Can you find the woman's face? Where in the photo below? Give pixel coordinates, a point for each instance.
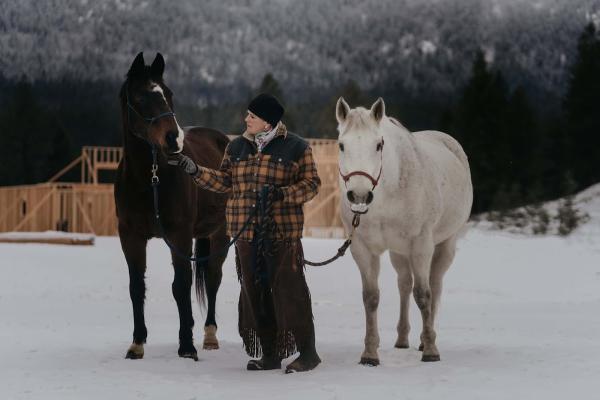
(255, 124)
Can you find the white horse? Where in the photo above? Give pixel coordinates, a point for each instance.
(418, 193)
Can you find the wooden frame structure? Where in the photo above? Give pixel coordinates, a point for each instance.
(93, 159)
(89, 207)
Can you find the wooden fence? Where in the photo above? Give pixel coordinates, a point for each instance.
(322, 214)
(69, 207)
(88, 207)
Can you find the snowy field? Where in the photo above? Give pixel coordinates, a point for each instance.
(520, 319)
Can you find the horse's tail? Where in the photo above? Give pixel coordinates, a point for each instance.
(201, 249)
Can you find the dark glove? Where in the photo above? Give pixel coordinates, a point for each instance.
(184, 162)
(277, 193)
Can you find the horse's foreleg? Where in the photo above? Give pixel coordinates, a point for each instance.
(181, 287)
(420, 263)
(134, 248)
(405, 285)
(368, 264)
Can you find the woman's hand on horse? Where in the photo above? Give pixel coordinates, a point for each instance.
(184, 162)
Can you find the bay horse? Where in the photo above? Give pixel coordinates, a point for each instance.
(418, 193)
(186, 211)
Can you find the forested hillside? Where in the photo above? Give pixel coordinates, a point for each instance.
(515, 81)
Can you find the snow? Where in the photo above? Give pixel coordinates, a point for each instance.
(427, 47)
(46, 235)
(586, 203)
(519, 319)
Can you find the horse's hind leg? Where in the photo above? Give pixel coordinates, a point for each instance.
(181, 287)
(369, 266)
(405, 285)
(442, 259)
(420, 264)
(134, 249)
(212, 273)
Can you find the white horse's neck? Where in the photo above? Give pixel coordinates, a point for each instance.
(400, 157)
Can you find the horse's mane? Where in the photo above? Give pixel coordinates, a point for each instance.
(396, 122)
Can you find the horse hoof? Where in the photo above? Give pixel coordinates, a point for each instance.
(421, 347)
(135, 352)
(401, 345)
(430, 357)
(210, 338)
(369, 362)
(188, 350)
(210, 346)
(133, 355)
(193, 356)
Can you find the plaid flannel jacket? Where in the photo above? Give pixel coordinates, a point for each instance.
(286, 162)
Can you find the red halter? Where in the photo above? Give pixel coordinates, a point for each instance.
(374, 181)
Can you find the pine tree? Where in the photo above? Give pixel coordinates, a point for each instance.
(326, 124)
(569, 217)
(270, 85)
(17, 121)
(33, 146)
(581, 108)
(60, 153)
(480, 126)
(523, 138)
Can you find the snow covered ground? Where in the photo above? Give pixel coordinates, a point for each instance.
(519, 320)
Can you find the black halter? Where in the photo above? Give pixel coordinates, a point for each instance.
(149, 121)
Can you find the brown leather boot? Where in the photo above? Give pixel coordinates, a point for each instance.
(263, 364)
(308, 358)
(269, 360)
(304, 362)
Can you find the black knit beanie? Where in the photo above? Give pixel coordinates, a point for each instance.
(267, 107)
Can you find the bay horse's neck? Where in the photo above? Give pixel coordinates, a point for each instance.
(137, 157)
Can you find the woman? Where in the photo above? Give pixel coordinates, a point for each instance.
(275, 314)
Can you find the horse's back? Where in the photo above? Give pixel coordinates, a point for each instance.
(205, 146)
(444, 141)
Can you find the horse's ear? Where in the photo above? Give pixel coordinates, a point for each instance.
(137, 67)
(341, 110)
(378, 110)
(158, 67)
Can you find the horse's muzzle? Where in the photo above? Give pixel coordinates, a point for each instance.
(356, 198)
(171, 139)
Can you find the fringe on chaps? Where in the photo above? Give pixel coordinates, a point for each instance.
(275, 314)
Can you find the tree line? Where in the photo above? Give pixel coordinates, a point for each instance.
(522, 149)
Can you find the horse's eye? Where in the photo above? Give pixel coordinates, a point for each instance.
(341, 146)
(140, 100)
(379, 146)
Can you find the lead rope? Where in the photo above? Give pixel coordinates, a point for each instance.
(161, 231)
(268, 226)
(342, 250)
